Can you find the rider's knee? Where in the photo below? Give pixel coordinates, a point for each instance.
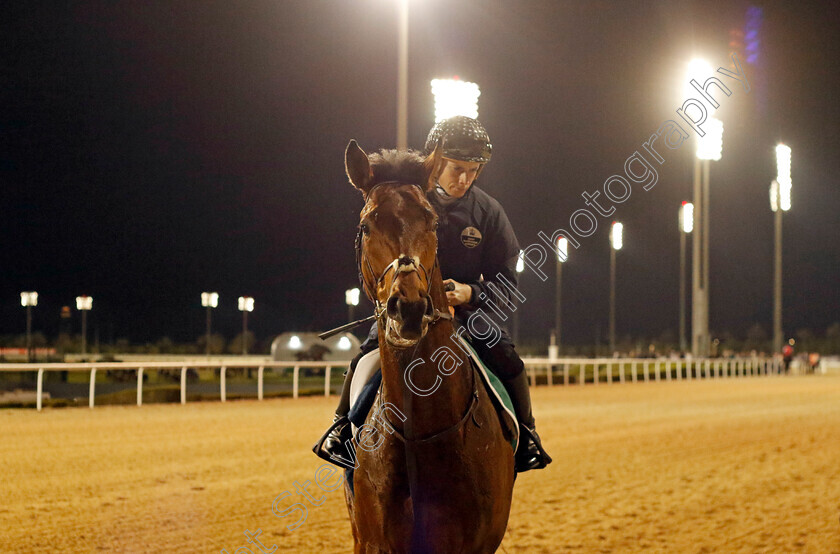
(505, 361)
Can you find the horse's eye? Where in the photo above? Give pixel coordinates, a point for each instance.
(365, 229)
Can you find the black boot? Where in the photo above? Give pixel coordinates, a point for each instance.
(530, 454)
(332, 447)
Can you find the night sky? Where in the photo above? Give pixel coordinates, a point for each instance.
(152, 151)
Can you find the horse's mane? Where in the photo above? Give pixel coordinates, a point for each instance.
(404, 166)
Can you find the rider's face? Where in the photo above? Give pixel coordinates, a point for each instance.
(457, 177)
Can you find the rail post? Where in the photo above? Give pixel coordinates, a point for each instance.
(92, 386)
(566, 374)
(184, 384)
(327, 381)
(549, 374)
(633, 371)
(295, 377)
(609, 373)
(260, 382)
(139, 386)
(223, 384)
(40, 388)
(645, 371)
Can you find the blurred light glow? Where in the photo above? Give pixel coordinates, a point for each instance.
(344, 343)
(562, 249)
(351, 296)
(616, 235)
(710, 147)
(455, 97)
(210, 299)
(699, 70)
(783, 175)
(246, 304)
(29, 298)
(687, 217)
(294, 342)
(84, 302)
(774, 196)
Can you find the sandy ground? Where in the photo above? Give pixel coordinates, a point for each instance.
(736, 465)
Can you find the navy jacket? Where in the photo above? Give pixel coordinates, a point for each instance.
(476, 244)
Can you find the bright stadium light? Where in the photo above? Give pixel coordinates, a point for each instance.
(783, 175)
(351, 297)
(687, 217)
(294, 342)
(710, 147)
(455, 97)
(562, 249)
(699, 70)
(616, 237)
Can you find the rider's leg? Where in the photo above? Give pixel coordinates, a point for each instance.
(503, 360)
(333, 441)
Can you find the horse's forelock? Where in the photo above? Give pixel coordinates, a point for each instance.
(403, 166)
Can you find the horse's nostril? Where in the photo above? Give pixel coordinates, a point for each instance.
(393, 306)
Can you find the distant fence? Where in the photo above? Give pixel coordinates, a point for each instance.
(559, 370)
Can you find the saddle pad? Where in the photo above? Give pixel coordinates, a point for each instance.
(368, 368)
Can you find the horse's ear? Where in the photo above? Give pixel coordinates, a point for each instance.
(358, 167)
(433, 167)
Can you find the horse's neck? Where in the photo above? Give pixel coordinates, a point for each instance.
(429, 412)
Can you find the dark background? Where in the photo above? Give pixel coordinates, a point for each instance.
(151, 151)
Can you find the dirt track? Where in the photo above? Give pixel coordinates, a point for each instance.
(737, 465)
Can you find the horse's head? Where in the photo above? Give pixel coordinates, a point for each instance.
(396, 247)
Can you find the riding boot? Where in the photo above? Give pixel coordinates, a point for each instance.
(530, 454)
(332, 445)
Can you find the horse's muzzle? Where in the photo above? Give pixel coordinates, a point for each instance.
(408, 320)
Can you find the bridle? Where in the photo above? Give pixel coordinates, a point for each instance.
(402, 264)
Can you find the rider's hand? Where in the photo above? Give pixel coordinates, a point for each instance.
(461, 295)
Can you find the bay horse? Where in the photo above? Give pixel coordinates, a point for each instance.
(442, 480)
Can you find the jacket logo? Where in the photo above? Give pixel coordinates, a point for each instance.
(470, 237)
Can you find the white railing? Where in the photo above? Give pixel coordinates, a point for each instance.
(599, 370)
(581, 368)
(183, 366)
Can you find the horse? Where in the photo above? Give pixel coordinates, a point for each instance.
(441, 479)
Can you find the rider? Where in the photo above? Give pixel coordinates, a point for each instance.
(476, 244)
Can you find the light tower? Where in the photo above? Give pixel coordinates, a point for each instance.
(246, 305)
(29, 299)
(209, 300)
(616, 242)
(84, 305)
(780, 201)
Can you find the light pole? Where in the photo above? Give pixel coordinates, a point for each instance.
(351, 298)
(246, 304)
(402, 77)
(709, 147)
(209, 300)
(686, 223)
(780, 201)
(520, 267)
(455, 97)
(84, 305)
(28, 300)
(616, 242)
(562, 256)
